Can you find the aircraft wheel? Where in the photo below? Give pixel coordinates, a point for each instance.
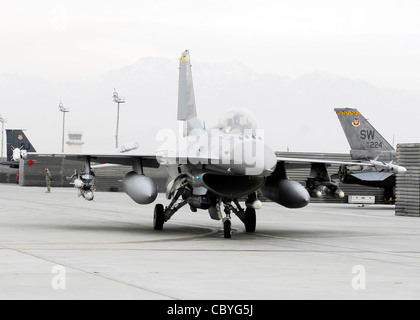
(250, 220)
(158, 217)
(227, 229)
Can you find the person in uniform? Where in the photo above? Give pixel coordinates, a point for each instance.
(48, 180)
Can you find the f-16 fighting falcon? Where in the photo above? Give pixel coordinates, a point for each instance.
(214, 170)
(367, 144)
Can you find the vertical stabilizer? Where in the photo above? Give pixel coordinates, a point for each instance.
(17, 139)
(365, 142)
(186, 100)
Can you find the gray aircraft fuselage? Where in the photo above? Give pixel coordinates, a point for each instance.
(229, 165)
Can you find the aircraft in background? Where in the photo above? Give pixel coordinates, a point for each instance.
(213, 169)
(78, 181)
(367, 144)
(18, 145)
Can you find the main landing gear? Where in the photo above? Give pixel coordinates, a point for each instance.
(159, 217)
(247, 216)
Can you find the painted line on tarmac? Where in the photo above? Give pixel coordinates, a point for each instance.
(342, 246)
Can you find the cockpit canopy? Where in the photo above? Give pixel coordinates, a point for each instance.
(237, 121)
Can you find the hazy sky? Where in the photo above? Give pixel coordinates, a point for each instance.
(378, 41)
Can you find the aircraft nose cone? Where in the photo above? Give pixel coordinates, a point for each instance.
(402, 170)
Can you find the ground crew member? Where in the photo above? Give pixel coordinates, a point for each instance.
(48, 180)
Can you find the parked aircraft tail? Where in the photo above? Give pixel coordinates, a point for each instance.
(16, 139)
(365, 141)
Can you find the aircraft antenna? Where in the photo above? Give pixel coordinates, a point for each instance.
(64, 110)
(117, 100)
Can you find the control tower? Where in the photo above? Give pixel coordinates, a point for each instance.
(75, 142)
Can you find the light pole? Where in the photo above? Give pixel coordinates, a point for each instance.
(117, 100)
(3, 121)
(64, 110)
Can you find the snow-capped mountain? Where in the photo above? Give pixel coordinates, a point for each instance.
(295, 113)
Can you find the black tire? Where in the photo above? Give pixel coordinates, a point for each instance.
(250, 220)
(158, 217)
(227, 229)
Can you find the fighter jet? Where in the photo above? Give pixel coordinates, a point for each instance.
(213, 169)
(367, 144)
(18, 145)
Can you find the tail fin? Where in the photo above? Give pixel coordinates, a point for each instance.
(186, 100)
(17, 139)
(365, 142)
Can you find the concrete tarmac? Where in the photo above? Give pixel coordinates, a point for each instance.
(59, 246)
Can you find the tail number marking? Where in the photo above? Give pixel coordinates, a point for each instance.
(375, 145)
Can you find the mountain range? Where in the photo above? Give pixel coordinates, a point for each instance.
(295, 113)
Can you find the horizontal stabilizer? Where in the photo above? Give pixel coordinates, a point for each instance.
(372, 176)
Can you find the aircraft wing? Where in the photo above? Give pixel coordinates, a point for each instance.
(153, 161)
(297, 163)
(12, 164)
(149, 161)
(304, 162)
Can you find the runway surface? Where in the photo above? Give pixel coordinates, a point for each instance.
(59, 246)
